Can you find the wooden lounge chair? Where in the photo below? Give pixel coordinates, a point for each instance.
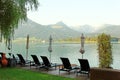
(84, 66)
(22, 61)
(47, 63)
(67, 65)
(36, 61)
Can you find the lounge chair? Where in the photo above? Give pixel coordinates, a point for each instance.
(67, 65)
(84, 66)
(12, 60)
(47, 63)
(22, 61)
(36, 61)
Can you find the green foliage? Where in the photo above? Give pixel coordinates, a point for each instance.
(104, 50)
(11, 13)
(20, 74)
(77, 40)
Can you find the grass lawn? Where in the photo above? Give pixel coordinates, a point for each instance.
(21, 74)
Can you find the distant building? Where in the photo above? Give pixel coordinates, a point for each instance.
(114, 39)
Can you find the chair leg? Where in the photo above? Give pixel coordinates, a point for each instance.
(76, 73)
(88, 74)
(69, 72)
(59, 71)
(55, 67)
(30, 65)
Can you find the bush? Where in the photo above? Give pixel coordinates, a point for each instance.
(104, 50)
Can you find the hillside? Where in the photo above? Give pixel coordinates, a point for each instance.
(58, 30)
(113, 30)
(84, 28)
(61, 30)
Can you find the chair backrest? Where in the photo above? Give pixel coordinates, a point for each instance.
(0, 56)
(46, 61)
(13, 56)
(84, 64)
(66, 63)
(36, 60)
(22, 60)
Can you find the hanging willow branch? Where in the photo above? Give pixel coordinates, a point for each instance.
(11, 13)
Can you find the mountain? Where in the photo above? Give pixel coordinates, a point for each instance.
(84, 28)
(61, 30)
(57, 31)
(113, 30)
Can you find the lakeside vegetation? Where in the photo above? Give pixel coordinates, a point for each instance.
(66, 40)
(21, 74)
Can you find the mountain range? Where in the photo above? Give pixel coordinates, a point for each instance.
(84, 28)
(61, 30)
(113, 30)
(57, 31)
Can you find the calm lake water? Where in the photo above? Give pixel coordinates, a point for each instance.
(65, 50)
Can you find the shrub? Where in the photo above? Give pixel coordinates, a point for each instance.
(104, 50)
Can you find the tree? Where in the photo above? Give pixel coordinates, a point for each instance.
(11, 13)
(104, 50)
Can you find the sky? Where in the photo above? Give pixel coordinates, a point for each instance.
(77, 12)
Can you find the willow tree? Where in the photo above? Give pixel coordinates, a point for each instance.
(11, 13)
(104, 50)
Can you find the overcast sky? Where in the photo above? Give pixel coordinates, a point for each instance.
(77, 12)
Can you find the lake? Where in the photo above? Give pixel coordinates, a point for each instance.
(65, 50)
